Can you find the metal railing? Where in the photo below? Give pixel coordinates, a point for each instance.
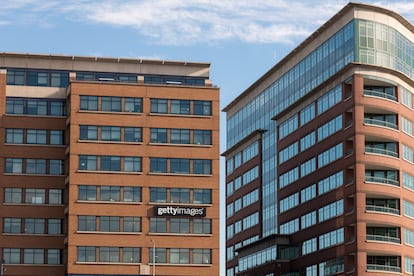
(382, 209)
(383, 238)
(381, 151)
(383, 268)
(380, 95)
(380, 123)
(382, 180)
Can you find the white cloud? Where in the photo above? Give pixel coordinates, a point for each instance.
(181, 22)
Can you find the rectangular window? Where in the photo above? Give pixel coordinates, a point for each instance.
(158, 225)
(202, 137)
(132, 164)
(87, 193)
(179, 256)
(160, 255)
(89, 103)
(131, 255)
(33, 256)
(288, 126)
(179, 225)
(308, 193)
(407, 126)
(330, 155)
(307, 114)
(202, 108)
(36, 136)
(86, 254)
(11, 255)
(36, 107)
(330, 128)
(55, 196)
(132, 224)
(54, 226)
(110, 193)
(56, 137)
(202, 196)
(180, 165)
(35, 196)
(14, 136)
(109, 254)
(158, 195)
(159, 135)
(110, 133)
(133, 105)
(34, 226)
(179, 195)
(180, 136)
(109, 224)
(158, 165)
(54, 256)
(56, 167)
(86, 223)
(201, 166)
(13, 195)
(132, 194)
(406, 97)
(14, 165)
(110, 163)
(111, 104)
(330, 99)
(201, 256)
(35, 166)
(88, 162)
(88, 132)
(159, 106)
(15, 77)
(12, 225)
(180, 107)
(35, 78)
(15, 106)
(202, 226)
(133, 134)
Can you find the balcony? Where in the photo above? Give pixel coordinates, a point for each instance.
(387, 268)
(387, 148)
(382, 180)
(383, 123)
(383, 238)
(382, 209)
(385, 94)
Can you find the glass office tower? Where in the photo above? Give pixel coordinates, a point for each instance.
(319, 154)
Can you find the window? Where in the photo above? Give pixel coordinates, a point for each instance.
(161, 255)
(15, 106)
(332, 238)
(14, 165)
(201, 226)
(180, 107)
(288, 126)
(86, 223)
(34, 226)
(110, 133)
(12, 195)
(12, 225)
(202, 196)
(158, 165)
(159, 135)
(133, 134)
(308, 193)
(202, 137)
(202, 108)
(159, 106)
(330, 128)
(88, 162)
(87, 192)
(406, 97)
(132, 194)
(178, 195)
(35, 196)
(56, 137)
(14, 135)
(133, 105)
(330, 99)
(111, 104)
(132, 224)
(109, 224)
(330, 155)
(131, 255)
(89, 103)
(307, 114)
(36, 107)
(54, 226)
(86, 254)
(88, 132)
(110, 163)
(55, 196)
(35, 78)
(54, 256)
(201, 256)
(179, 256)
(179, 225)
(35, 166)
(158, 195)
(307, 141)
(201, 166)
(179, 165)
(11, 255)
(158, 225)
(15, 77)
(110, 193)
(56, 167)
(180, 136)
(109, 254)
(33, 255)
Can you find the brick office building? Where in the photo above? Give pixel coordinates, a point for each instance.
(106, 164)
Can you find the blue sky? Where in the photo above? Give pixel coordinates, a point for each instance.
(241, 39)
